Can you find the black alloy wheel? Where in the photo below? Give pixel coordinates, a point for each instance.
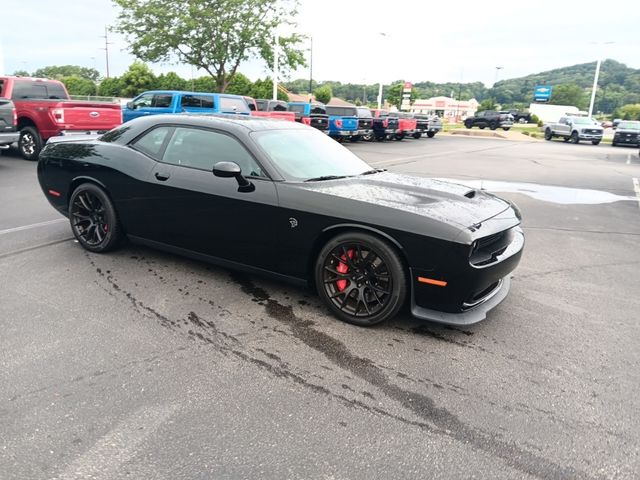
(547, 134)
(574, 137)
(29, 143)
(431, 134)
(493, 125)
(368, 137)
(93, 219)
(360, 278)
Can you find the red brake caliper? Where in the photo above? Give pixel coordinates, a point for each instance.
(343, 268)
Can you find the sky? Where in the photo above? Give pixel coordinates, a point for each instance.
(423, 40)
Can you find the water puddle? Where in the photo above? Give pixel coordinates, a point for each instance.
(546, 193)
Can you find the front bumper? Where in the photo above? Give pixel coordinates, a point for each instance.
(7, 138)
(471, 289)
(81, 132)
(344, 133)
(590, 136)
(626, 138)
(470, 316)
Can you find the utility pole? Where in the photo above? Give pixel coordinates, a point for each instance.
(275, 66)
(311, 68)
(106, 47)
(382, 34)
(597, 75)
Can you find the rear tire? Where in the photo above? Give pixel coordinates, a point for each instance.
(493, 125)
(417, 135)
(399, 136)
(595, 142)
(361, 278)
(93, 218)
(547, 134)
(506, 129)
(29, 143)
(468, 125)
(431, 134)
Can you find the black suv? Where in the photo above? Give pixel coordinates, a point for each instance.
(491, 119)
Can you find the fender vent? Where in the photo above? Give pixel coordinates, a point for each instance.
(470, 194)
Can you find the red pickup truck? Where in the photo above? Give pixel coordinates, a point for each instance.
(270, 109)
(44, 110)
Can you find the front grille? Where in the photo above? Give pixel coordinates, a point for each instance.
(487, 249)
(592, 131)
(482, 295)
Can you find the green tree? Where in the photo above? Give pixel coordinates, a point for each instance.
(171, 81)
(628, 112)
(21, 73)
(60, 71)
(137, 79)
(214, 35)
(487, 104)
(323, 94)
(569, 94)
(264, 89)
(110, 87)
(79, 86)
(239, 85)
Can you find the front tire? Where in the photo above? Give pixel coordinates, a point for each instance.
(431, 134)
(29, 143)
(399, 136)
(493, 125)
(595, 142)
(361, 278)
(417, 135)
(93, 218)
(547, 134)
(506, 129)
(574, 137)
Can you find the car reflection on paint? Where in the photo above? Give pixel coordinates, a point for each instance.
(280, 198)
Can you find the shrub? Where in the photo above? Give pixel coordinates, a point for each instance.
(534, 118)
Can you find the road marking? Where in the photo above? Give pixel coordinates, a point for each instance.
(33, 225)
(636, 187)
(118, 446)
(628, 159)
(35, 247)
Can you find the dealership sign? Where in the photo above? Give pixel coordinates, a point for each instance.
(406, 96)
(542, 93)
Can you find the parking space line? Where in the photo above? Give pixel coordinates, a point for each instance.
(636, 187)
(628, 159)
(33, 225)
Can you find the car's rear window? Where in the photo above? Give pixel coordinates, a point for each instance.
(296, 108)
(197, 101)
(342, 111)
(37, 90)
(230, 104)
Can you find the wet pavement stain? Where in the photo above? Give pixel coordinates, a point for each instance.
(422, 406)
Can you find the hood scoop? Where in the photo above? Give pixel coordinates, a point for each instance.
(470, 194)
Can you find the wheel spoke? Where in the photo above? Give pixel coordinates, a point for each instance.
(99, 234)
(335, 272)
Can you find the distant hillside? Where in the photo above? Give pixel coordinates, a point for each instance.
(618, 85)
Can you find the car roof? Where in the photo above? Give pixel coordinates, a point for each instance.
(173, 92)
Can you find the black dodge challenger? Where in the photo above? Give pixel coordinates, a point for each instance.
(280, 198)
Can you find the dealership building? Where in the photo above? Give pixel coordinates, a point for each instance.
(446, 107)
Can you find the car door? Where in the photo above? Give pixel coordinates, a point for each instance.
(194, 210)
(150, 104)
(562, 127)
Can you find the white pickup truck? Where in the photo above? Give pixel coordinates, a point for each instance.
(574, 129)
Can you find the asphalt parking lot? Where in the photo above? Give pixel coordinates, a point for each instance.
(140, 364)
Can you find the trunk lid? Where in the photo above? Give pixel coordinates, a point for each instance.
(74, 115)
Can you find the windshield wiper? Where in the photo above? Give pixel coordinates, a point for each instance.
(325, 177)
(375, 170)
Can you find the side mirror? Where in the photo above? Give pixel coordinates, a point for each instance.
(131, 105)
(232, 169)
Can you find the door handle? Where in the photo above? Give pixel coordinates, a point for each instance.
(162, 176)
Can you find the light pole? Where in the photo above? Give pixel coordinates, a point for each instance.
(275, 66)
(311, 67)
(382, 34)
(595, 78)
(495, 82)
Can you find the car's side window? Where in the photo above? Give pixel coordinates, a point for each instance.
(202, 149)
(562, 121)
(143, 100)
(151, 142)
(162, 100)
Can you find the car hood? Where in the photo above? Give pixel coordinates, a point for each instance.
(421, 205)
(628, 130)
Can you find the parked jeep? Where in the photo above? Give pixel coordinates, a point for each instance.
(8, 123)
(627, 133)
(312, 114)
(157, 102)
(575, 129)
(491, 119)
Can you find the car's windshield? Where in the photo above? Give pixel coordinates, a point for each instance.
(303, 154)
(583, 121)
(629, 125)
